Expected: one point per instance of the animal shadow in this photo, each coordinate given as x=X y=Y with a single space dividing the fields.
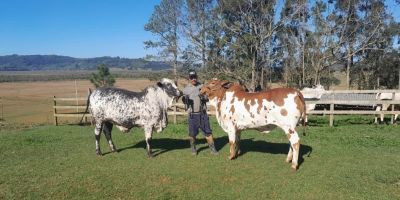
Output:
x=249 y=145
x=163 y=145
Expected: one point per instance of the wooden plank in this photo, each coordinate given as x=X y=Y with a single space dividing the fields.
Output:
x=360 y=91
x=352 y=112
x=71 y=115
x=71 y=99
x=69 y=107
x=351 y=102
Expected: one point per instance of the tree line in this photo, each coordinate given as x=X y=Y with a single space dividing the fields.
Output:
x=298 y=42
x=55 y=62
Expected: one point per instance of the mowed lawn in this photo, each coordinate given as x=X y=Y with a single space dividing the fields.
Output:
x=349 y=161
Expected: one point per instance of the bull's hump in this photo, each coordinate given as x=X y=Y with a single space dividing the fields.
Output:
x=106 y=91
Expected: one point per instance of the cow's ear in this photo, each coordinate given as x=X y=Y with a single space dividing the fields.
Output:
x=159 y=84
x=227 y=85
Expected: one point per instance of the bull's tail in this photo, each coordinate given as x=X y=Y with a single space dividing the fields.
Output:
x=302 y=106
x=87 y=106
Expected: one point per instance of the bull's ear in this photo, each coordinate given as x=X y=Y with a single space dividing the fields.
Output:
x=227 y=85
x=159 y=84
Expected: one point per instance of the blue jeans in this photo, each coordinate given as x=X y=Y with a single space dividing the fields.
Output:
x=199 y=121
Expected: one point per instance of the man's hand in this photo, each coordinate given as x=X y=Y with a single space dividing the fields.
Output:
x=185 y=99
x=203 y=98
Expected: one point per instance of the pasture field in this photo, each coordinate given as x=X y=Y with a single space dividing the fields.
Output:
x=344 y=162
x=27 y=103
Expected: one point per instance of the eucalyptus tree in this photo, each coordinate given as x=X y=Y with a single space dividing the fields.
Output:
x=197 y=21
x=165 y=24
x=359 y=25
x=249 y=24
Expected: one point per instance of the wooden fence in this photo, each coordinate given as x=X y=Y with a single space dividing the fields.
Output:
x=332 y=102
x=177 y=109
x=63 y=107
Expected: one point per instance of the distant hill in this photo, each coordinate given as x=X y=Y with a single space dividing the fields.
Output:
x=55 y=62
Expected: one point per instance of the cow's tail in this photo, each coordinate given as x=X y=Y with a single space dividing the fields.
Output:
x=302 y=106
x=87 y=106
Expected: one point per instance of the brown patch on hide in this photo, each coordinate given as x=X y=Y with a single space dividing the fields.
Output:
x=300 y=104
x=259 y=107
x=284 y=112
x=278 y=95
x=252 y=102
x=219 y=108
x=232 y=110
x=247 y=106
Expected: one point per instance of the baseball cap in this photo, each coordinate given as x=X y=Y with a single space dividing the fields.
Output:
x=192 y=75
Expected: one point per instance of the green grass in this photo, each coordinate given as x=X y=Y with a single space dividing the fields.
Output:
x=344 y=162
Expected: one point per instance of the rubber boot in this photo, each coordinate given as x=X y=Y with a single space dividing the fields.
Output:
x=211 y=144
x=193 y=145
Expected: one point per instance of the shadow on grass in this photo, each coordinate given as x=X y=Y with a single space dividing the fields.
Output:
x=164 y=145
x=249 y=145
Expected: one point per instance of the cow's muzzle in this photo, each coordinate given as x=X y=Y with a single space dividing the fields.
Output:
x=179 y=94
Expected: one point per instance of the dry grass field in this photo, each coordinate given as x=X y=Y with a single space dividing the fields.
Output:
x=31 y=102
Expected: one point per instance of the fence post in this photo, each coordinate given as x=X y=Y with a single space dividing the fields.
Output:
x=332 y=107
x=55 y=111
x=2 y=110
x=392 y=116
x=175 y=113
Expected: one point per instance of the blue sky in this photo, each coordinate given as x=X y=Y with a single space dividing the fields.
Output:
x=81 y=28
x=78 y=28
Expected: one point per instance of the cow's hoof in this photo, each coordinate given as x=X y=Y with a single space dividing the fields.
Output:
x=150 y=155
x=288 y=160
x=99 y=153
x=239 y=152
x=114 y=150
x=215 y=153
x=231 y=157
x=294 y=168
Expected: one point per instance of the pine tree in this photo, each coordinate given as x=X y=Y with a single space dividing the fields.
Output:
x=103 y=78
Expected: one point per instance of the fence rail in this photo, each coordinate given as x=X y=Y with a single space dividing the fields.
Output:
x=178 y=109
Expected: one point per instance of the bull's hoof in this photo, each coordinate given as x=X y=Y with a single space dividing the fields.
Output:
x=98 y=152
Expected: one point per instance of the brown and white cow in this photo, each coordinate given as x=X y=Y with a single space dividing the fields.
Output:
x=237 y=110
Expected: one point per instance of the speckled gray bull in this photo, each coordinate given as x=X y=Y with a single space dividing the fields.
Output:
x=126 y=109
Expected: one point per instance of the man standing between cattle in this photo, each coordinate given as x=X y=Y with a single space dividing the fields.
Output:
x=197 y=118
